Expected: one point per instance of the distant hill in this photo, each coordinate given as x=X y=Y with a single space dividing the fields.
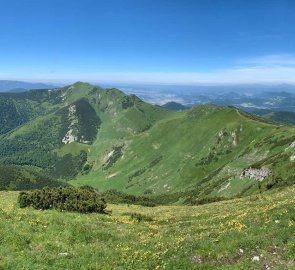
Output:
x=107 y=139
x=248 y=97
x=282 y=117
x=175 y=106
x=20 y=86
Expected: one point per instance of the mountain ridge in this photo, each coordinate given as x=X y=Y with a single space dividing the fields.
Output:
x=110 y=140
x=15 y=86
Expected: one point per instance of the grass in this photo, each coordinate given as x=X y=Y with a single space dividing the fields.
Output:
x=251 y=233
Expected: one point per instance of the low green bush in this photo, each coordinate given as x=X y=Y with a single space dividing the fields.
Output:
x=206 y=200
x=117 y=197
x=67 y=199
x=139 y=217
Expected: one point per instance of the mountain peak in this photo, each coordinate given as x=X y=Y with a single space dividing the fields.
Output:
x=76 y=91
x=80 y=83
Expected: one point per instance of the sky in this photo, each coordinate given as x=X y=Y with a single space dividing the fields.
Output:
x=148 y=41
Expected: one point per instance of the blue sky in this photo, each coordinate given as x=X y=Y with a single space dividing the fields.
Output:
x=148 y=41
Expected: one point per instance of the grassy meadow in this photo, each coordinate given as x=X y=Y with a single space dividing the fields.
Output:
x=256 y=232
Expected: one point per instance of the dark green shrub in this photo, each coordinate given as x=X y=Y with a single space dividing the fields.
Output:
x=148 y=204
x=117 y=197
x=139 y=217
x=118 y=152
x=69 y=199
x=206 y=200
x=86 y=169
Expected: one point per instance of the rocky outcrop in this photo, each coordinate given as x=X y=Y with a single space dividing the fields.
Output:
x=256 y=174
x=70 y=137
x=234 y=138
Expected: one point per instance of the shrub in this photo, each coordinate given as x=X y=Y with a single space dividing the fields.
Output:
x=139 y=217
x=68 y=199
x=117 y=197
x=147 y=204
x=205 y=200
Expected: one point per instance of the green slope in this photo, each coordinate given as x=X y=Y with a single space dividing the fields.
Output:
x=58 y=140
x=22 y=178
x=202 y=150
x=20 y=108
x=105 y=138
x=281 y=117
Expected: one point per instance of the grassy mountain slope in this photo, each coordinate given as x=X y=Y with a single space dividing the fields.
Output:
x=255 y=232
x=105 y=138
x=20 y=108
x=22 y=178
x=204 y=150
x=281 y=117
x=58 y=140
